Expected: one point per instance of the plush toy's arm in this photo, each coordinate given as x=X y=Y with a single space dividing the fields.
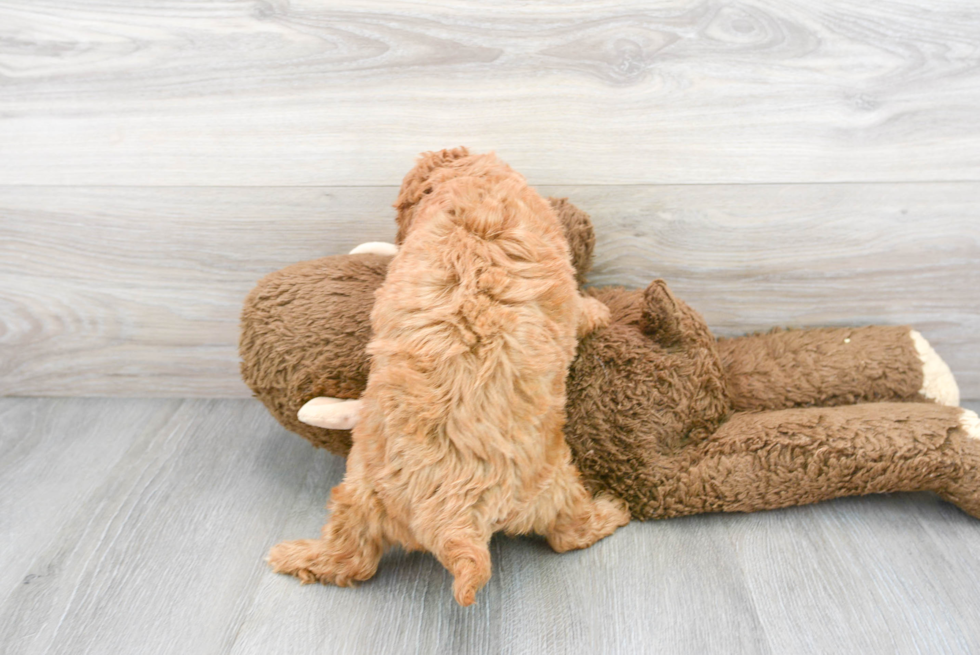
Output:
x=339 y=413
x=766 y=460
x=834 y=366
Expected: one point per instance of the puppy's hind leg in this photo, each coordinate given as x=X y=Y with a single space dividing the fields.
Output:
x=580 y=519
x=350 y=547
x=463 y=548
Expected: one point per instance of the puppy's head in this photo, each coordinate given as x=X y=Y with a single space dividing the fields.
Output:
x=429 y=170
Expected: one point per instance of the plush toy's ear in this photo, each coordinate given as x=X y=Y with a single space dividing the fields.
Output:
x=580 y=234
x=672 y=323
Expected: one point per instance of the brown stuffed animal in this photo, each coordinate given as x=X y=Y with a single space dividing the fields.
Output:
x=659 y=412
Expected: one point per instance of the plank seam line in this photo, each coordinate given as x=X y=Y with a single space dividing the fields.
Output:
x=538 y=184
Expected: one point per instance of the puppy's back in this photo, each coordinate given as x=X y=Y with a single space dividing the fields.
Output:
x=475 y=324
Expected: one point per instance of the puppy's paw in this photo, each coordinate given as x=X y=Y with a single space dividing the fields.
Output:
x=595 y=315
x=613 y=512
x=587 y=523
x=312 y=560
x=296 y=558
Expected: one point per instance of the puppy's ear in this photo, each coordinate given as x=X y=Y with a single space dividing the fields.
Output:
x=418 y=183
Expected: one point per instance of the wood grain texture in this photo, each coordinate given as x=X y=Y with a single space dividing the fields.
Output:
x=604 y=92
x=153 y=542
x=41 y=453
x=164 y=553
x=137 y=291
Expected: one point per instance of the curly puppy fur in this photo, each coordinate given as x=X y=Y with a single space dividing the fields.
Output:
x=306 y=327
x=460 y=435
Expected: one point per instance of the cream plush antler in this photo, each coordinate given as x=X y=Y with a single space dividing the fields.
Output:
x=337 y=413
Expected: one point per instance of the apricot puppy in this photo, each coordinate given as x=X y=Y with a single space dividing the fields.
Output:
x=460 y=431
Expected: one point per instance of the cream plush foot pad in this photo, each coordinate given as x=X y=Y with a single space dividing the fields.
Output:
x=937 y=380
x=970 y=423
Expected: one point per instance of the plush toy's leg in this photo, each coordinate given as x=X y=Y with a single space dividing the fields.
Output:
x=766 y=460
x=834 y=366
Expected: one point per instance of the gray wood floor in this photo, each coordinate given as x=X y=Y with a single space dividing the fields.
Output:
x=140 y=526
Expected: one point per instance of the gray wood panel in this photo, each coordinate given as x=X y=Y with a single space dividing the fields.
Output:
x=140 y=526
x=609 y=92
x=137 y=291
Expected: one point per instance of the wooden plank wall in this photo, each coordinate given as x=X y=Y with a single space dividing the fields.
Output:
x=779 y=163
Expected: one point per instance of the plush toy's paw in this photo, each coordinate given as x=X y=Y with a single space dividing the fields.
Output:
x=331 y=413
x=375 y=248
x=971 y=424
x=938 y=383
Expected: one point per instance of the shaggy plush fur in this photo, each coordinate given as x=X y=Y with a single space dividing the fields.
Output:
x=657 y=417
x=651 y=420
x=753 y=461
x=460 y=432
x=794 y=368
x=320 y=314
